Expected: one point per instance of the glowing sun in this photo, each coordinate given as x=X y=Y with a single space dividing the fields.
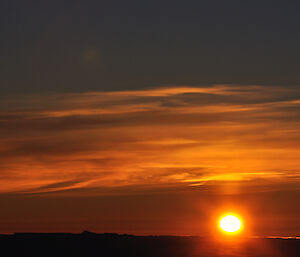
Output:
x=230 y=224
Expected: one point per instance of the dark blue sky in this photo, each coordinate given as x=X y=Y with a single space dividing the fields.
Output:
x=115 y=45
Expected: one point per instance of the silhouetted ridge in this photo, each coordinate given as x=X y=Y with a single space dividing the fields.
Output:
x=89 y=244
x=32 y=234
x=88 y=233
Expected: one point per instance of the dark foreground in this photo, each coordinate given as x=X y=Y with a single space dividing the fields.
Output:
x=111 y=245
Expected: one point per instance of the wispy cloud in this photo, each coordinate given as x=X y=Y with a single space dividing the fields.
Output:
x=179 y=136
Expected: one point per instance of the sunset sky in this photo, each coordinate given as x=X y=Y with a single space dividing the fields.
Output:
x=149 y=117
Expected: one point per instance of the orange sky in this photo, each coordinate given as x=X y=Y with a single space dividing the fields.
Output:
x=157 y=151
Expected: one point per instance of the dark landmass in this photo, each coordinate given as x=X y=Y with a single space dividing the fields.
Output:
x=89 y=244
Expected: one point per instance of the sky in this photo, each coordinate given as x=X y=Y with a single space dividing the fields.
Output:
x=149 y=117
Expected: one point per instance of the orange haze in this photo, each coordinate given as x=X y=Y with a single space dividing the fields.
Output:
x=127 y=161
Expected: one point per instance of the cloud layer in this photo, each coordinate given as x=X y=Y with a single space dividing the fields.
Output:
x=176 y=137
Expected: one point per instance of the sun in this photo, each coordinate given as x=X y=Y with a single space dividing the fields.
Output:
x=230 y=224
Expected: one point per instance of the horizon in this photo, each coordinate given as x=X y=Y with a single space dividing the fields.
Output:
x=109 y=234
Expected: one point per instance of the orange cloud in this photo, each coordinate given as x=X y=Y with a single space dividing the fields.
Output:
x=156 y=138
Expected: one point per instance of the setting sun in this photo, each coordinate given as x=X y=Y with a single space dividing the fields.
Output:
x=230 y=224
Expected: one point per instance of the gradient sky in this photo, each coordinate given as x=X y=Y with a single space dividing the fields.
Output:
x=149 y=117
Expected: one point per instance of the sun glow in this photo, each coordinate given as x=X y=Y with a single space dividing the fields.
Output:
x=230 y=224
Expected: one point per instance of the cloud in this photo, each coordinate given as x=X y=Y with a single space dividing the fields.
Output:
x=162 y=137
